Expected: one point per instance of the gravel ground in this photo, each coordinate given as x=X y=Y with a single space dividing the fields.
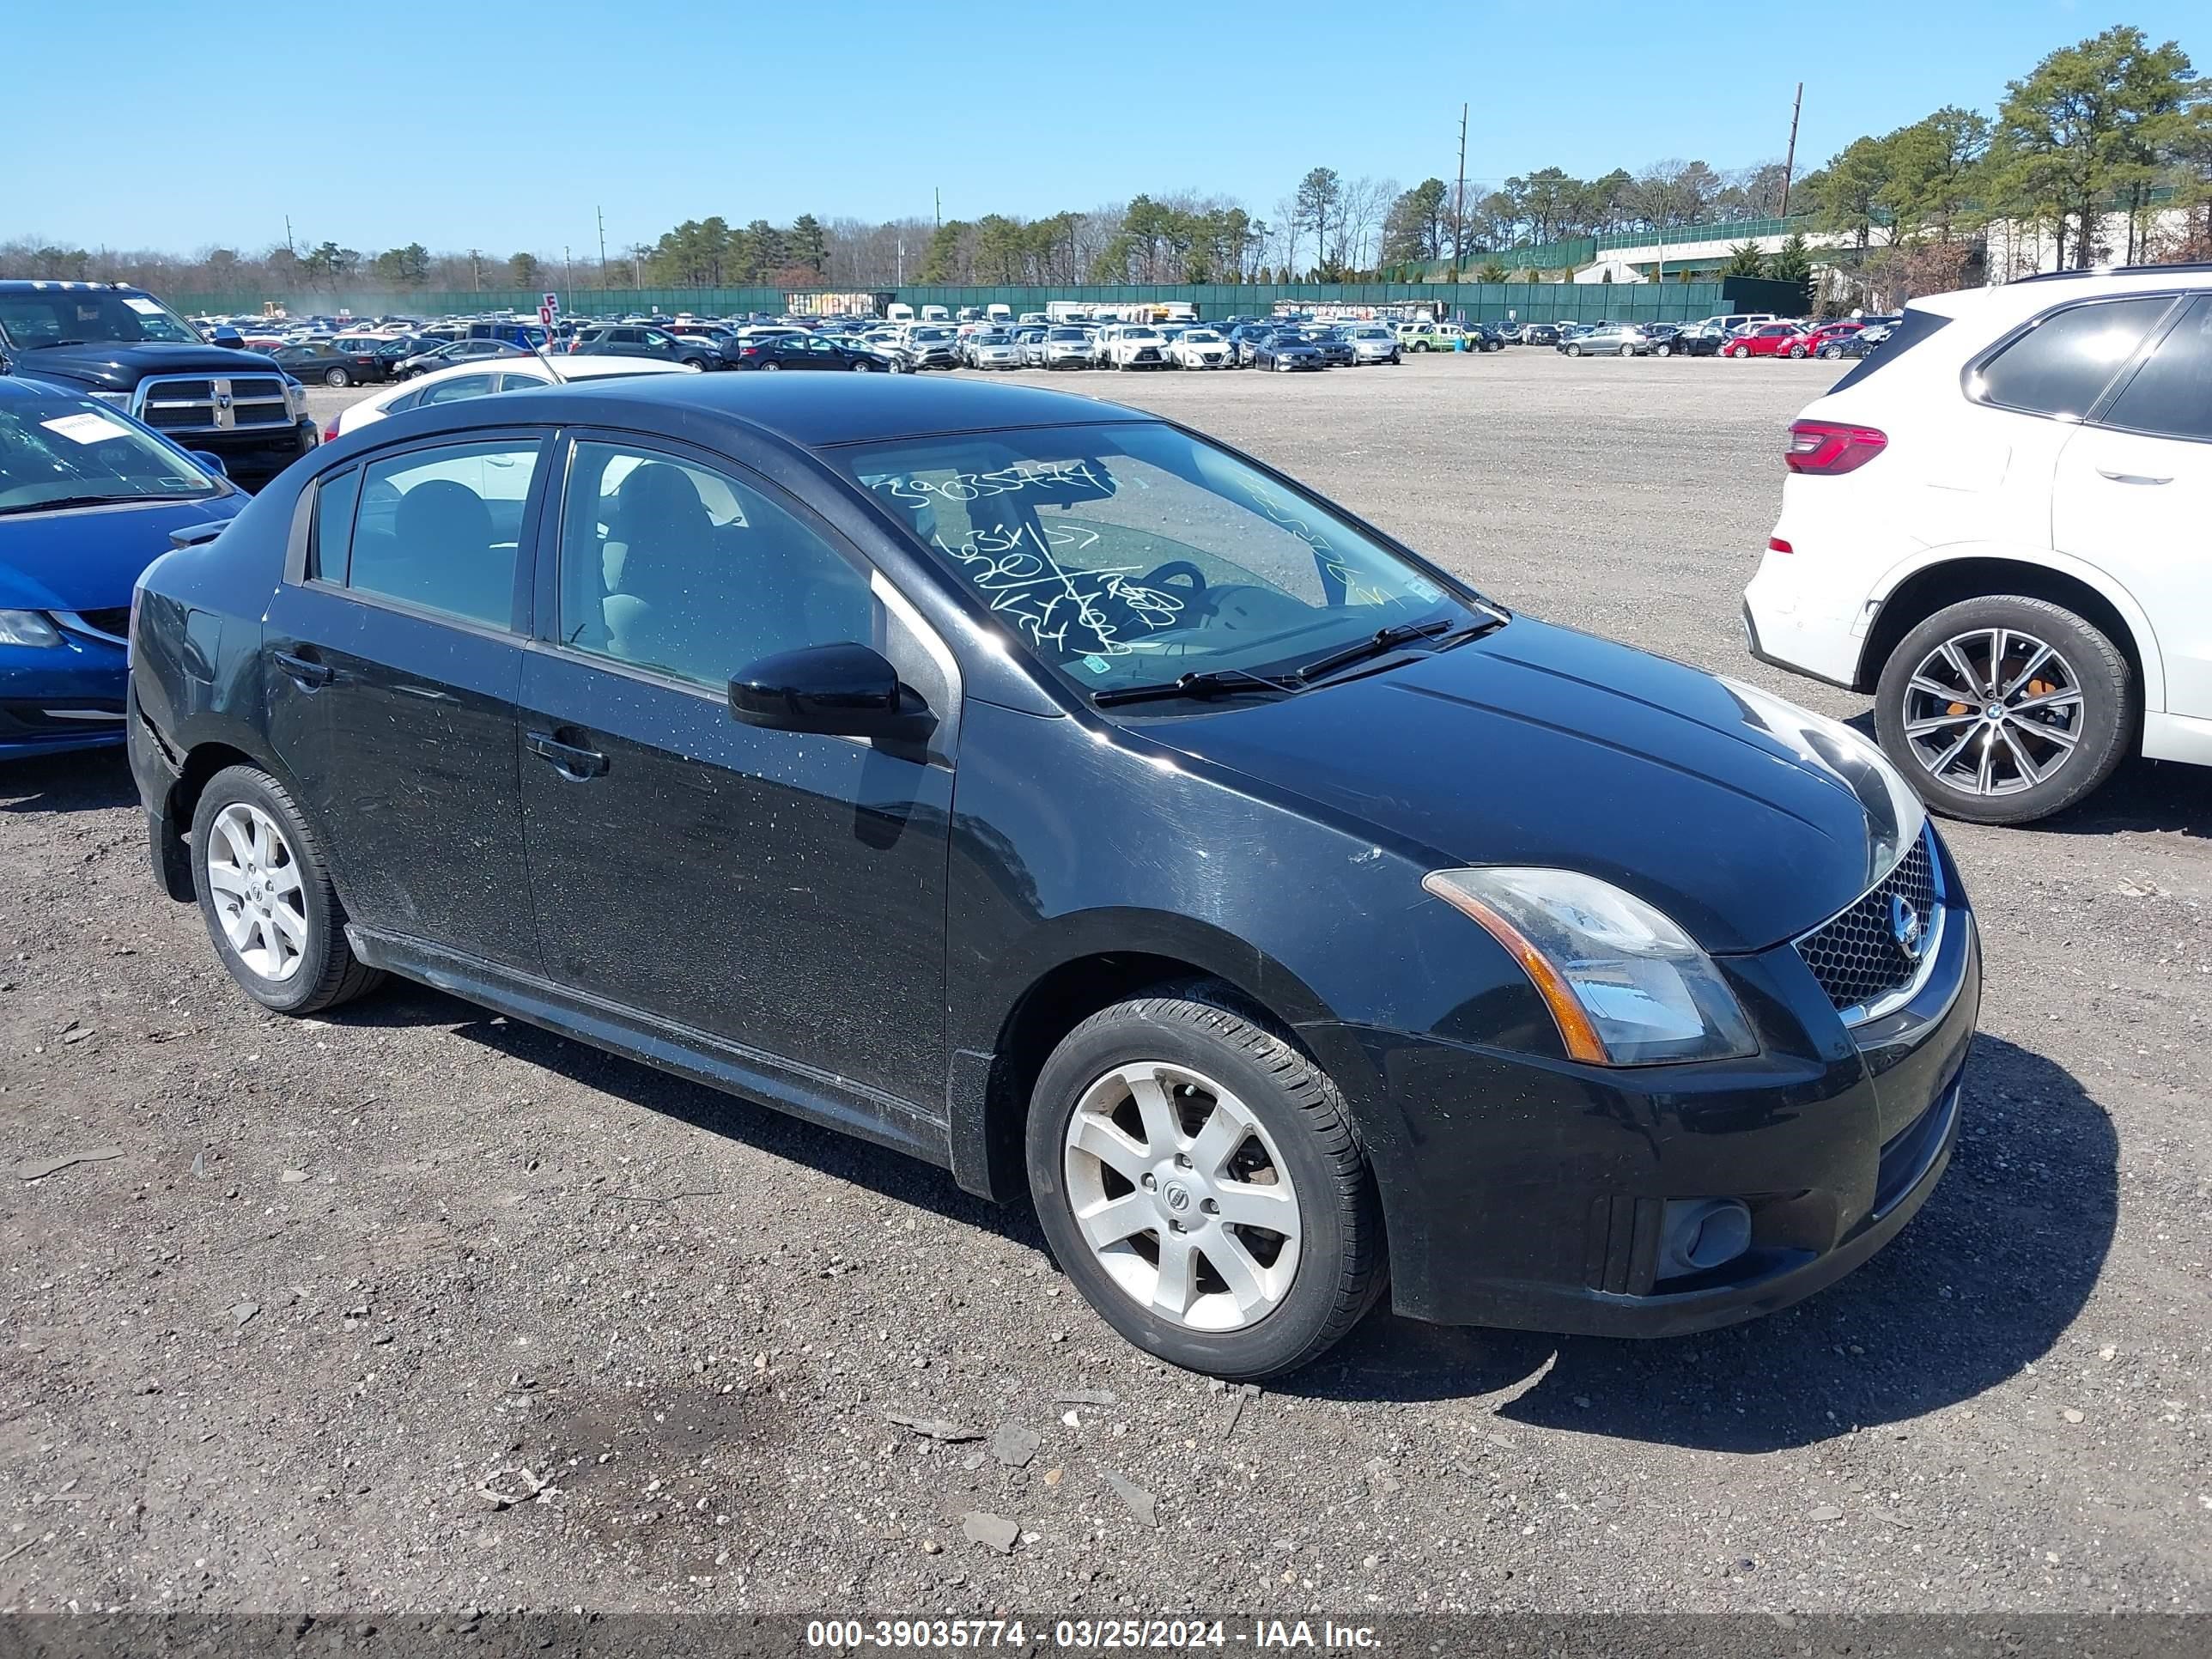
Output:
x=323 y=1281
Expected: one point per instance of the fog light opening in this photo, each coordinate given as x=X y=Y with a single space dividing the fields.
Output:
x=1696 y=1235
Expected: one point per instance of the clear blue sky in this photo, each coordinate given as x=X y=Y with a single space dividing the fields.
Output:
x=507 y=135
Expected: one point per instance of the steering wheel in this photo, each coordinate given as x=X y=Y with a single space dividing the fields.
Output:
x=1160 y=576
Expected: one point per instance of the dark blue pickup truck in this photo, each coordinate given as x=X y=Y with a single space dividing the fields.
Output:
x=123 y=346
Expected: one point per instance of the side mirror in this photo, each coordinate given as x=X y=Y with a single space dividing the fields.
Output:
x=835 y=691
x=211 y=461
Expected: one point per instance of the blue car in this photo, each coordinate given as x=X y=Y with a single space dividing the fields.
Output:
x=88 y=498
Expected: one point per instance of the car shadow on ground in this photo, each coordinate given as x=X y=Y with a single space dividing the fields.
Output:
x=879 y=1170
x=87 y=780
x=1984 y=1280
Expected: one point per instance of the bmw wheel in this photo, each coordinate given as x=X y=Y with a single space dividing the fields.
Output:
x=1197 y=1177
x=269 y=907
x=2005 y=710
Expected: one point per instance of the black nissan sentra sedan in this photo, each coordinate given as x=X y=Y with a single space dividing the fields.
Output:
x=1044 y=790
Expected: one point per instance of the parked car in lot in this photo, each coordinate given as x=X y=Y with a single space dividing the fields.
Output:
x=1537 y=334
x=328 y=363
x=931 y=346
x=125 y=347
x=1246 y=339
x=1202 y=348
x=1826 y=340
x=628 y=340
x=808 y=352
x=1137 y=345
x=1996 y=525
x=1761 y=340
x=1608 y=340
x=450 y=353
x=1481 y=337
x=993 y=347
x=522 y=373
x=1373 y=343
x=1287 y=349
x=1424 y=336
x=1063 y=347
x=1336 y=350
x=1684 y=339
x=741 y=632
x=88 y=498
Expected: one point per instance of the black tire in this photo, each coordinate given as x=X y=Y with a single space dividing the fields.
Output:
x=2106 y=731
x=328 y=973
x=1574 y=350
x=1342 y=1268
x=1662 y=349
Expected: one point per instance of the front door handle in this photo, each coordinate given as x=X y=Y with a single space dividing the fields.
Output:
x=307 y=673
x=2131 y=478
x=570 y=760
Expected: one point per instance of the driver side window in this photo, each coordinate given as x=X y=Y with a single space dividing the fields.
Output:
x=680 y=568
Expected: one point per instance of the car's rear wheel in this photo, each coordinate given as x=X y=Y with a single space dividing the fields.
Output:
x=772 y=367
x=267 y=898
x=2005 y=710
x=1197 y=1177
x=337 y=377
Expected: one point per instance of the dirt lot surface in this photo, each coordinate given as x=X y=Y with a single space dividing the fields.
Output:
x=320 y=1282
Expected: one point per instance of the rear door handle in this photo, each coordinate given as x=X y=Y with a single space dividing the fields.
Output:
x=2132 y=478
x=571 y=760
x=307 y=673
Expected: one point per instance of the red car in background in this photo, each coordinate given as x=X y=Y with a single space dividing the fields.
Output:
x=1813 y=341
x=1761 y=340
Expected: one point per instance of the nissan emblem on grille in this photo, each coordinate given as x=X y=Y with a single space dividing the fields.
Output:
x=1876 y=946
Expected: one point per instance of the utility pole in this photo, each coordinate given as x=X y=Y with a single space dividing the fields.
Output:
x=1459 y=200
x=1790 y=161
x=475 y=270
x=568 y=270
x=289 y=248
x=602 y=213
x=939 y=194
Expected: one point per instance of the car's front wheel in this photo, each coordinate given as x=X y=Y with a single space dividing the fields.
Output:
x=1662 y=349
x=1574 y=351
x=267 y=898
x=2005 y=710
x=1197 y=1179
x=336 y=377
x=1740 y=352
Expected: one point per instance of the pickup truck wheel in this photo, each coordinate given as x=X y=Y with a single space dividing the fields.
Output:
x=337 y=377
x=1197 y=1178
x=270 y=909
x=2005 y=710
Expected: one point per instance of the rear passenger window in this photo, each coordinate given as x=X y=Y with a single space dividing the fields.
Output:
x=2063 y=365
x=440 y=528
x=2171 y=395
x=334 y=503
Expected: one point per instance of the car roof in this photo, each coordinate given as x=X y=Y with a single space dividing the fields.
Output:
x=817 y=410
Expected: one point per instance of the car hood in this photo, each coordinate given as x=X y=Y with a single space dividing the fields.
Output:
x=87 y=558
x=110 y=365
x=1539 y=745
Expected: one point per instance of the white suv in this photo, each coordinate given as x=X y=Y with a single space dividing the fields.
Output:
x=2000 y=524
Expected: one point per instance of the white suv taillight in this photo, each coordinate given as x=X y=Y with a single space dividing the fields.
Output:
x=1827 y=447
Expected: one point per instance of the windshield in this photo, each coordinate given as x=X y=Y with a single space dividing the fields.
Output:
x=65 y=316
x=56 y=449
x=1069 y=334
x=1134 y=553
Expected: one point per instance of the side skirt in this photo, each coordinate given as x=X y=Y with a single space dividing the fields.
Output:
x=800 y=1091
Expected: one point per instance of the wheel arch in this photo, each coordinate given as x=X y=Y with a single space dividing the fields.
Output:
x=203 y=761
x=1917 y=590
x=989 y=1091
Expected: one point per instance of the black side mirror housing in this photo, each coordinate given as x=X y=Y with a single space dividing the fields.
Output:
x=845 y=691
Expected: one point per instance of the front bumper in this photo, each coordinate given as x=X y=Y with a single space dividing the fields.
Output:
x=1529 y=1194
x=56 y=699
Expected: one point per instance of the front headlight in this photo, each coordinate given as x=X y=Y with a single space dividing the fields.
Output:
x=296 y=399
x=1626 y=986
x=1895 y=816
x=27 y=628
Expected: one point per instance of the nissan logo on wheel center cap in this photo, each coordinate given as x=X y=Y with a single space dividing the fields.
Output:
x=1176 y=1196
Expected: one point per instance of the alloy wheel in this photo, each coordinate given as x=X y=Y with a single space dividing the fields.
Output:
x=1993 y=712
x=254 y=879
x=1182 y=1196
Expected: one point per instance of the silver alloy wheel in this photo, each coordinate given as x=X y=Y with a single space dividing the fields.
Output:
x=1182 y=1196
x=1993 y=712
x=254 y=879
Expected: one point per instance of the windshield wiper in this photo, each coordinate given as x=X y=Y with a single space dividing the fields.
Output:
x=1209 y=682
x=1383 y=639
x=61 y=501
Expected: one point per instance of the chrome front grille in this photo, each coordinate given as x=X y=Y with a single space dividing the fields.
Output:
x=204 y=403
x=1858 y=956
